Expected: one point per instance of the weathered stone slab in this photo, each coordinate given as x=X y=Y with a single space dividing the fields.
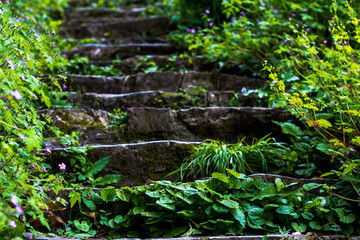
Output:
x=109 y=51
x=139 y=63
x=93 y=124
x=197 y=124
x=165 y=81
x=139 y=162
x=153 y=26
x=159 y=99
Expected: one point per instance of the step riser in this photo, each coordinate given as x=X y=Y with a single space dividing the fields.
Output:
x=156 y=99
x=198 y=124
x=157 y=26
x=140 y=163
x=165 y=81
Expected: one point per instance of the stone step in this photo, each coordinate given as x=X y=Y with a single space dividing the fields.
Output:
x=139 y=162
x=95 y=15
x=100 y=51
x=141 y=63
x=165 y=81
x=229 y=124
x=149 y=27
x=150 y=124
x=95 y=126
x=159 y=99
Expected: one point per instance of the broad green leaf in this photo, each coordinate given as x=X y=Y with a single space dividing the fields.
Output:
x=109 y=179
x=229 y=203
x=123 y=195
x=108 y=194
x=286 y=210
x=88 y=202
x=83 y=226
x=98 y=166
x=308 y=215
x=220 y=176
x=257 y=216
x=315 y=225
x=279 y=184
x=300 y=228
x=239 y=215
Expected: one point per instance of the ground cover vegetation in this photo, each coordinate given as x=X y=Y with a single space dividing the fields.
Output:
x=312 y=61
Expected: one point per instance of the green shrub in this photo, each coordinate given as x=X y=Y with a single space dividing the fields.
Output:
x=27 y=52
x=327 y=100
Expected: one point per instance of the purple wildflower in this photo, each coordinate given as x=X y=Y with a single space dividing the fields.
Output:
x=11 y=64
x=14 y=200
x=12 y=223
x=325 y=41
x=212 y=95
x=58 y=118
x=211 y=24
x=22 y=77
x=64 y=86
x=48 y=150
x=207 y=11
x=22 y=137
x=263 y=4
x=242 y=12
x=193 y=31
x=290 y=19
x=293 y=14
x=62 y=166
x=103 y=39
x=43 y=168
x=276 y=11
x=16 y=94
x=27 y=17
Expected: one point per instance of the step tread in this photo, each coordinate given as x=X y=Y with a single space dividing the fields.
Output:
x=166 y=81
x=101 y=51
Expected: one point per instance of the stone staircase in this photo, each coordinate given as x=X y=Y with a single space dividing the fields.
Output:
x=168 y=113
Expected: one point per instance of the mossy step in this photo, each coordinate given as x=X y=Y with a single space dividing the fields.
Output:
x=150 y=27
x=139 y=162
x=159 y=99
x=110 y=52
x=165 y=81
x=197 y=124
x=95 y=126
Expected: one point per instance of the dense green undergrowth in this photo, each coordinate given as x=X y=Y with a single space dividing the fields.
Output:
x=222 y=205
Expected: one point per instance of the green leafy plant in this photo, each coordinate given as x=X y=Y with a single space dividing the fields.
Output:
x=330 y=104
x=263 y=155
x=222 y=205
